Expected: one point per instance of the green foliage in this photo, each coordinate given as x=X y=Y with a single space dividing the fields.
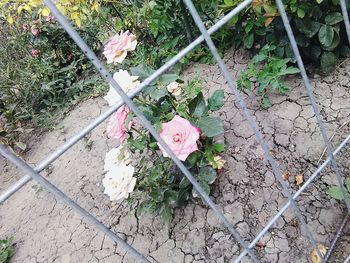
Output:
x=266 y=71
x=336 y=193
x=40 y=73
x=318 y=29
x=160 y=26
x=6 y=250
x=164 y=185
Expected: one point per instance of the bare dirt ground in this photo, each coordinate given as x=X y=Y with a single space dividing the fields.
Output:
x=45 y=230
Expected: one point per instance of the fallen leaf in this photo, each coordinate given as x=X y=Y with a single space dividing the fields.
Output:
x=314 y=257
x=260 y=244
x=299 y=179
x=286 y=175
x=269 y=21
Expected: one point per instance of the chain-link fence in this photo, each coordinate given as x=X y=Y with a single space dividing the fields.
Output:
x=34 y=173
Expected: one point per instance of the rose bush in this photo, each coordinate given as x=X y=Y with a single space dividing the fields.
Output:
x=181 y=115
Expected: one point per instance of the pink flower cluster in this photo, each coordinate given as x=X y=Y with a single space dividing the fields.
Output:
x=117 y=48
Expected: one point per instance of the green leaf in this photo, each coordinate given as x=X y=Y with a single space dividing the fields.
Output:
x=216 y=101
x=335 y=42
x=301 y=13
x=347 y=184
x=166 y=79
x=307 y=26
x=184 y=182
x=219 y=147
x=197 y=106
x=156 y=93
x=265 y=102
x=335 y=193
x=207 y=174
x=167 y=215
x=325 y=35
x=210 y=126
x=288 y=71
x=183 y=196
x=333 y=18
x=143 y=71
x=205 y=187
x=192 y=158
x=249 y=41
x=328 y=61
x=146 y=206
x=170 y=197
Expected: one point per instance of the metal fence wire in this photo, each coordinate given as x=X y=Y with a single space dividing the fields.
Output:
x=34 y=173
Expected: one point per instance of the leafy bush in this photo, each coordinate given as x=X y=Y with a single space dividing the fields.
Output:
x=268 y=77
x=161 y=184
x=41 y=70
x=158 y=176
x=317 y=25
x=6 y=250
x=160 y=27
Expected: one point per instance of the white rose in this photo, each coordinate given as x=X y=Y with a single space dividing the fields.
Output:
x=125 y=81
x=112 y=157
x=119 y=182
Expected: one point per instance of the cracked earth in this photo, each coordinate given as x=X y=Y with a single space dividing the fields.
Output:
x=45 y=230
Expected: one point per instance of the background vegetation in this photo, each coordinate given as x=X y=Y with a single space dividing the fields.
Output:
x=43 y=72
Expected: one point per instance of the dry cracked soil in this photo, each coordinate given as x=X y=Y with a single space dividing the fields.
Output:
x=46 y=230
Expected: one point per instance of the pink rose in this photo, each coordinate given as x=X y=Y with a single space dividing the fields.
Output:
x=35 y=31
x=116 y=125
x=117 y=48
x=35 y=53
x=181 y=136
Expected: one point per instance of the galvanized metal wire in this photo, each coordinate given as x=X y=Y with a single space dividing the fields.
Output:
x=205 y=35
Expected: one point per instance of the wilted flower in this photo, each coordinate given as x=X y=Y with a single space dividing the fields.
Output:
x=117 y=48
x=116 y=125
x=119 y=182
x=25 y=27
x=181 y=136
x=50 y=19
x=35 y=31
x=35 y=53
x=125 y=81
x=70 y=56
x=218 y=162
x=174 y=88
x=116 y=156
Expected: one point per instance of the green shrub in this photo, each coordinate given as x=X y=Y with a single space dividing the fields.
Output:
x=41 y=70
x=317 y=26
x=6 y=250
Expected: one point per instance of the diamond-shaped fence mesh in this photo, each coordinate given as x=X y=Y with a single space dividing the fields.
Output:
x=247 y=248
